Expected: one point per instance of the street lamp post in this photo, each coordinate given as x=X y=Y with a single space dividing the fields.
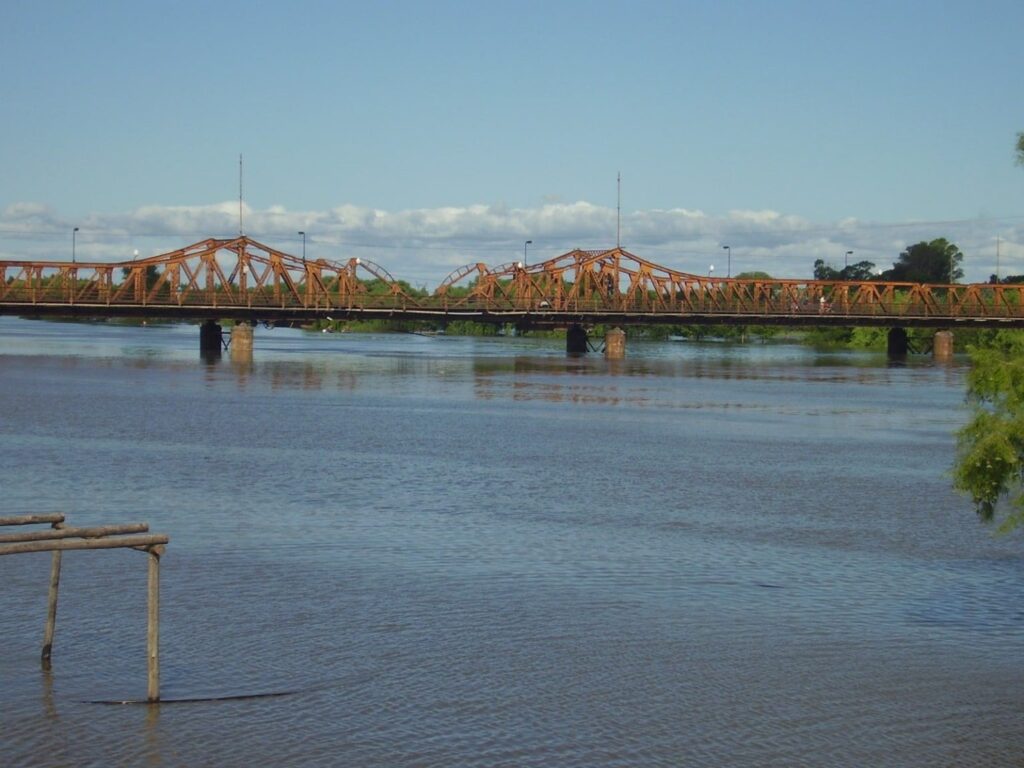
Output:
x=728 y=266
x=711 y=269
x=846 y=259
x=303 y=246
x=528 y=242
x=74 y=243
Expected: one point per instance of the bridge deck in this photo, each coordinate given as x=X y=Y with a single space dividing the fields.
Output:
x=537 y=318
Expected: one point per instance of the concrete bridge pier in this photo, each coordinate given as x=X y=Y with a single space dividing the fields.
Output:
x=576 y=340
x=897 y=343
x=615 y=344
x=942 y=346
x=241 y=343
x=211 y=341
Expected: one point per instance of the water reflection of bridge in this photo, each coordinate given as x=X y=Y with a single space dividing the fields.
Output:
x=245 y=281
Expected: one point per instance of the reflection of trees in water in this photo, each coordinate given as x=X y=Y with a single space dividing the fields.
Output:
x=307 y=376
x=539 y=378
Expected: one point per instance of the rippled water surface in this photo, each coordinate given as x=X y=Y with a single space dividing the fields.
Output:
x=468 y=552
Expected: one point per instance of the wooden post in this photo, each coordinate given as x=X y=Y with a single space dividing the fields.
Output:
x=51 y=609
x=153 y=626
x=56 y=525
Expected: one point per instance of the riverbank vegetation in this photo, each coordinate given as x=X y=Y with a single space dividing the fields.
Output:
x=990 y=461
x=990 y=447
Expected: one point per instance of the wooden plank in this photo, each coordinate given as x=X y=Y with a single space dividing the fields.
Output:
x=94 y=532
x=138 y=540
x=54 y=517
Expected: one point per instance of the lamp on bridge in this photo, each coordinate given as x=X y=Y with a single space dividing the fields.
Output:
x=303 y=246
x=528 y=242
x=846 y=259
x=711 y=269
x=728 y=268
x=74 y=243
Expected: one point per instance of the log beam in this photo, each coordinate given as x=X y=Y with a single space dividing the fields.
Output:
x=74 y=533
x=138 y=540
x=55 y=517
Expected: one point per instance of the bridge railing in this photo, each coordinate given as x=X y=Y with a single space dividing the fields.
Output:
x=56 y=293
x=909 y=303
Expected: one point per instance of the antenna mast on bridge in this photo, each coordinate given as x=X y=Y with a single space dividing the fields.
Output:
x=239 y=194
x=618 y=208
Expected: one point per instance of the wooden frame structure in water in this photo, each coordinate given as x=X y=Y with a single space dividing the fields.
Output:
x=58 y=538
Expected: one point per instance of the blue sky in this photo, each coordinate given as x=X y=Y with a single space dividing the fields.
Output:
x=427 y=135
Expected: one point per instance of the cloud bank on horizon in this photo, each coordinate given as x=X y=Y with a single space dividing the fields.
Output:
x=423 y=245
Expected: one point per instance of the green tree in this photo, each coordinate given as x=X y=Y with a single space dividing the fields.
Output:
x=990 y=457
x=828 y=336
x=152 y=274
x=927 y=262
x=1008 y=280
x=823 y=271
x=744 y=332
x=860 y=272
x=378 y=287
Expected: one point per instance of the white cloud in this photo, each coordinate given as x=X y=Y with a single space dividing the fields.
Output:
x=28 y=217
x=423 y=245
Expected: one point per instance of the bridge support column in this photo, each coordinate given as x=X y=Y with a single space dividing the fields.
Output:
x=897 y=343
x=615 y=344
x=241 y=343
x=942 y=346
x=211 y=339
x=575 y=341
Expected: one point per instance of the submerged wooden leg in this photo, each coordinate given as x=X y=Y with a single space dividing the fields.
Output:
x=153 y=628
x=51 y=609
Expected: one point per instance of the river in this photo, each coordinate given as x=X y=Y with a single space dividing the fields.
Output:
x=450 y=551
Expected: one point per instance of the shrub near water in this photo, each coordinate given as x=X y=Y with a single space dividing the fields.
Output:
x=990 y=461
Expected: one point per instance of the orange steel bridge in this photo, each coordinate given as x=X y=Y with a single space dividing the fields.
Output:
x=242 y=279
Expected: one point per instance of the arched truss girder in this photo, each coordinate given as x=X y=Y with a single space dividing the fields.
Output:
x=610 y=279
x=617 y=281
x=234 y=272
x=458 y=274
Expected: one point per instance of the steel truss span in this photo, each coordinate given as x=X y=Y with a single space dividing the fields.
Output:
x=242 y=279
